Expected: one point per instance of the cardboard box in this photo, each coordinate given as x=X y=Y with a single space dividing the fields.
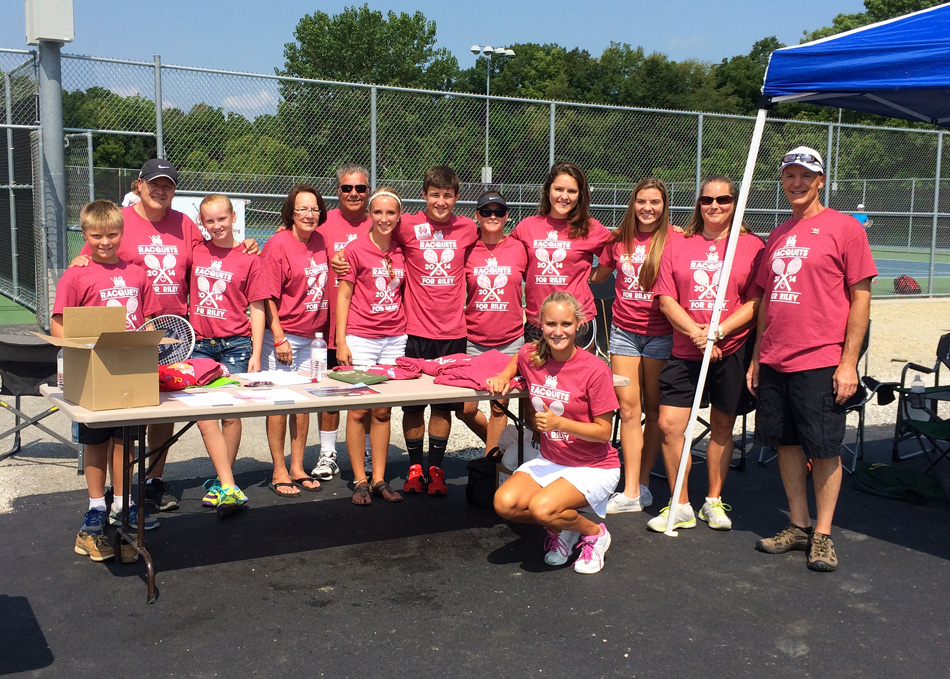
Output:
x=105 y=367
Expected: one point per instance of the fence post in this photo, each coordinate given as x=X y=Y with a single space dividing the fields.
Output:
x=92 y=181
x=372 y=137
x=551 y=139
x=159 y=132
x=910 y=222
x=699 y=152
x=14 y=268
x=834 y=162
x=933 y=234
x=54 y=158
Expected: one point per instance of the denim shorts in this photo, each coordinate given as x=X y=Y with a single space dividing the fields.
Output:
x=234 y=352
x=626 y=343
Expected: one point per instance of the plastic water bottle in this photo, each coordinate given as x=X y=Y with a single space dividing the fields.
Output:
x=318 y=358
x=59 y=369
x=916 y=400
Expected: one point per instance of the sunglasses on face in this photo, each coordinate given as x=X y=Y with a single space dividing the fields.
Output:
x=488 y=212
x=720 y=200
x=801 y=157
x=347 y=188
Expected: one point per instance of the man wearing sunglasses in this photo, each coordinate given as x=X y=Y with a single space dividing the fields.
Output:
x=816 y=276
x=343 y=224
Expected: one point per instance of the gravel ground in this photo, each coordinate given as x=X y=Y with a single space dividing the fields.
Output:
x=901 y=331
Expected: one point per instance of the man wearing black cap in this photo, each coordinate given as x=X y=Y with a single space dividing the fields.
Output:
x=816 y=275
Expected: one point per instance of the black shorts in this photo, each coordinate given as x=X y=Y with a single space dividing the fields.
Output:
x=94 y=437
x=584 y=338
x=799 y=409
x=428 y=348
x=725 y=388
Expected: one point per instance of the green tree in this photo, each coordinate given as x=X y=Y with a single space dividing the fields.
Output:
x=361 y=45
x=743 y=75
x=875 y=10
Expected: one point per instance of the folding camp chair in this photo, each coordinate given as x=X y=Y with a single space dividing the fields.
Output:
x=917 y=416
x=26 y=362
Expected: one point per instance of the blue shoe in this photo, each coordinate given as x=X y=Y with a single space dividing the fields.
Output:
x=213 y=486
x=94 y=522
x=115 y=519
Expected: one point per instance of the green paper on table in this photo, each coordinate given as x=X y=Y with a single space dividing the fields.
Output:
x=357 y=377
x=224 y=381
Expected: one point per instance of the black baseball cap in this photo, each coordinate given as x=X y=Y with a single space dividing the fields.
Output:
x=158 y=167
x=489 y=198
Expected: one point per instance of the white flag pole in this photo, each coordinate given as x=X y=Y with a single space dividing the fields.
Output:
x=724 y=274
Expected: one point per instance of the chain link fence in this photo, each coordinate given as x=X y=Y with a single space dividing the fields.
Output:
x=255 y=136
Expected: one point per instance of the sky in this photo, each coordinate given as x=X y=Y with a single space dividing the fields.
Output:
x=246 y=35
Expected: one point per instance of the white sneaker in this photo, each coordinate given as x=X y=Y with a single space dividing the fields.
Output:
x=646 y=497
x=621 y=504
x=684 y=518
x=326 y=468
x=593 y=549
x=558 y=546
x=368 y=463
x=714 y=514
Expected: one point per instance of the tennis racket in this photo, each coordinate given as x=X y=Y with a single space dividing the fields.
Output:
x=177 y=328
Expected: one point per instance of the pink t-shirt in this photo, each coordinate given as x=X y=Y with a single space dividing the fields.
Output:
x=493 y=274
x=163 y=249
x=808 y=268
x=558 y=262
x=634 y=309
x=376 y=307
x=337 y=231
x=119 y=284
x=689 y=273
x=297 y=275
x=435 y=274
x=223 y=283
x=580 y=389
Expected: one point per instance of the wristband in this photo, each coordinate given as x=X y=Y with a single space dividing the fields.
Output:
x=283 y=341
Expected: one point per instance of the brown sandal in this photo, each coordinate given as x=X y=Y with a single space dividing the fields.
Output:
x=361 y=493
x=383 y=490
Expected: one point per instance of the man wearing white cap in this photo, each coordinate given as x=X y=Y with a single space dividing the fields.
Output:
x=816 y=276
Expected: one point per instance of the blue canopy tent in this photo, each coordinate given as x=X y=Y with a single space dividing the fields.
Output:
x=897 y=68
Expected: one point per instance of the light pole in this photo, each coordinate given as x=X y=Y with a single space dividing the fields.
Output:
x=488 y=51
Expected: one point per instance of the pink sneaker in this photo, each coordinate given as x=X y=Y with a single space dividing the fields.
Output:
x=593 y=549
x=558 y=546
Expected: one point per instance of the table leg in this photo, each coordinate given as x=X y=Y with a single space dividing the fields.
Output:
x=123 y=534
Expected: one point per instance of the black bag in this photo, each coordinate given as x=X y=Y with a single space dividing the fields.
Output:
x=482 y=477
x=905 y=285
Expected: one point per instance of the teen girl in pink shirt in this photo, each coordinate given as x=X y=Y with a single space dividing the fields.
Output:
x=573 y=401
x=371 y=330
x=641 y=336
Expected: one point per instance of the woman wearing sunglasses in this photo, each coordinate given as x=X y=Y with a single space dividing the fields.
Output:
x=371 y=330
x=494 y=271
x=561 y=242
x=641 y=337
x=687 y=288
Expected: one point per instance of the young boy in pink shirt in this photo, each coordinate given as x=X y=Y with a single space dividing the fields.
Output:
x=106 y=281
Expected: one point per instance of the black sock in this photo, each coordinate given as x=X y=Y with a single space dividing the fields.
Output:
x=437 y=446
x=414 y=448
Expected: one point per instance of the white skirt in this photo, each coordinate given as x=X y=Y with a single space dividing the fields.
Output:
x=595 y=484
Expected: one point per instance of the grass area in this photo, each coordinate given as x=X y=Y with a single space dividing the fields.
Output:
x=913 y=255
x=12 y=313
x=884 y=287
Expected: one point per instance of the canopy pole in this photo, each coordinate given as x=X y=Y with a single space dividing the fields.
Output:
x=744 y=189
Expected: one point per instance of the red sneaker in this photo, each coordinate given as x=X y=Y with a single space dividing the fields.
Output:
x=437 y=482
x=416 y=482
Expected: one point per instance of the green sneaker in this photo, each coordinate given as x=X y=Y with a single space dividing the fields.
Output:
x=714 y=513
x=213 y=486
x=684 y=518
x=230 y=500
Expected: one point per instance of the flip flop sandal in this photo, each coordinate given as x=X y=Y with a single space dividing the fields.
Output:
x=309 y=489
x=383 y=490
x=361 y=495
x=274 y=487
